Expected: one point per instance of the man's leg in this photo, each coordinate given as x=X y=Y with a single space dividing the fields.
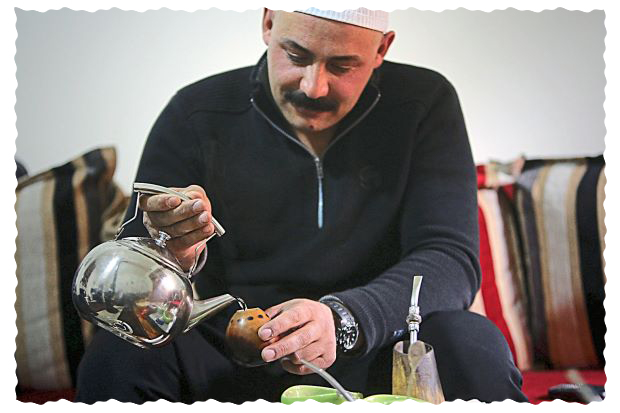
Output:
x=473 y=357
x=190 y=368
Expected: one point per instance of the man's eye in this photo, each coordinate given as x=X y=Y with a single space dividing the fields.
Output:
x=340 y=69
x=295 y=58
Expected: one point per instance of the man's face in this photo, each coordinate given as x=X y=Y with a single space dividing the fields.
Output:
x=318 y=68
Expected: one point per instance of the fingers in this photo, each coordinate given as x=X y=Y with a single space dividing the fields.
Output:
x=180 y=228
x=305 y=329
x=284 y=318
x=188 y=225
x=176 y=217
x=308 y=353
x=165 y=202
x=185 y=210
x=193 y=191
x=187 y=222
x=297 y=340
x=162 y=202
x=275 y=310
x=189 y=239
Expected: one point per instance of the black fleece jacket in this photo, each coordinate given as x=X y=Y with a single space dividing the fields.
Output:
x=394 y=195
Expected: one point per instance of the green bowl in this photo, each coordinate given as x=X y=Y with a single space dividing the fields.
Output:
x=390 y=398
x=320 y=394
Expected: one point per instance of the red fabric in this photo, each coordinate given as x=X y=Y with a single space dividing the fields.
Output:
x=536 y=384
x=490 y=296
x=509 y=190
x=40 y=397
x=481 y=175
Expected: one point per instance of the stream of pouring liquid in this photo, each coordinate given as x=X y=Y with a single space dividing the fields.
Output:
x=241 y=303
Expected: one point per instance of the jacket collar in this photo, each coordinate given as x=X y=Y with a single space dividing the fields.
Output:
x=261 y=94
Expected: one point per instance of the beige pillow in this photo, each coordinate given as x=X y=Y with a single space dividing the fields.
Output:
x=61 y=215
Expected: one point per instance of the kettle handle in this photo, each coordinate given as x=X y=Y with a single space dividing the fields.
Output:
x=145 y=188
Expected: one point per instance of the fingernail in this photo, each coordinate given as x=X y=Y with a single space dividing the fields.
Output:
x=197 y=207
x=265 y=333
x=203 y=218
x=268 y=354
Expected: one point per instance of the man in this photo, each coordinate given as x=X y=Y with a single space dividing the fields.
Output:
x=337 y=176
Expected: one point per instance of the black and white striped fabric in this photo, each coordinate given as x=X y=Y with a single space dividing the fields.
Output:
x=60 y=217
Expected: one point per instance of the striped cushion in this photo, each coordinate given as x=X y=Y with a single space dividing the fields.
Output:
x=59 y=219
x=502 y=297
x=559 y=204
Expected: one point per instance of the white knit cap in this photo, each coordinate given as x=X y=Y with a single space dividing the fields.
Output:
x=370 y=19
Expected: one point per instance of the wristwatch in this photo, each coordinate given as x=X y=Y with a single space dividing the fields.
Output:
x=347 y=330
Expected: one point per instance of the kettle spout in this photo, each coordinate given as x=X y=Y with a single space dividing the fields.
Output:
x=206 y=308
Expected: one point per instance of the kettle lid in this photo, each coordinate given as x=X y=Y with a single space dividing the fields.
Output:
x=154 y=249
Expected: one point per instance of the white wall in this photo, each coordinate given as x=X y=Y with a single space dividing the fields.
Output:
x=530 y=83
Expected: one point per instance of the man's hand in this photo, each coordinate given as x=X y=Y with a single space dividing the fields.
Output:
x=306 y=331
x=187 y=222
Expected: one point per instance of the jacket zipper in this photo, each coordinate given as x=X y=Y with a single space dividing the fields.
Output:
x=318 y=160
x=319 y=174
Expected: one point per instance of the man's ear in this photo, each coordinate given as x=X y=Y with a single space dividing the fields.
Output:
x=268 y=16
x=384 y=46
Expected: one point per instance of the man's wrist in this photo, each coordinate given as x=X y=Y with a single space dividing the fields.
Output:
x=346 y=327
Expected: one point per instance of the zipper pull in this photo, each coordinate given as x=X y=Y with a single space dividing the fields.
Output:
x=319 y=168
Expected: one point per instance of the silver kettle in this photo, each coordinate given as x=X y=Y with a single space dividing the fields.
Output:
x=136 y=289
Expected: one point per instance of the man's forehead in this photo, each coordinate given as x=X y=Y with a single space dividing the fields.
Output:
x=324 y=38
x=292 y=44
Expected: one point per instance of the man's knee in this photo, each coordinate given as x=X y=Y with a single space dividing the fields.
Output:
x=464 y=329
x=115 y=369
x=473 y=357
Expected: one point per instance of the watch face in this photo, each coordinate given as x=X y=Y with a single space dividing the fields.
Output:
x=347 y=337
x=346 y=327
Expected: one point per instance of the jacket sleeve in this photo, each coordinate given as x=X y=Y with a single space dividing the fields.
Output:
x=170 y=158
x=438 y=230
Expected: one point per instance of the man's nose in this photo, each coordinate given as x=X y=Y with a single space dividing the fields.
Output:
x=314 y=82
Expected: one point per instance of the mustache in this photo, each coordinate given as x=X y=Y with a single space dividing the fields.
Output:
x=300 y=99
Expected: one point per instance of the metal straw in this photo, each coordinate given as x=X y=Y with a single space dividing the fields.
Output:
x=329 y=378
x=413 y=318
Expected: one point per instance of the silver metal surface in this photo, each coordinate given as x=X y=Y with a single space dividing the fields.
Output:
x=413 y=318
x=135 y=288
x=161 y=239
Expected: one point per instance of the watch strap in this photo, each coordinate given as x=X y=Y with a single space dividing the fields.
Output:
x=347 y=330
